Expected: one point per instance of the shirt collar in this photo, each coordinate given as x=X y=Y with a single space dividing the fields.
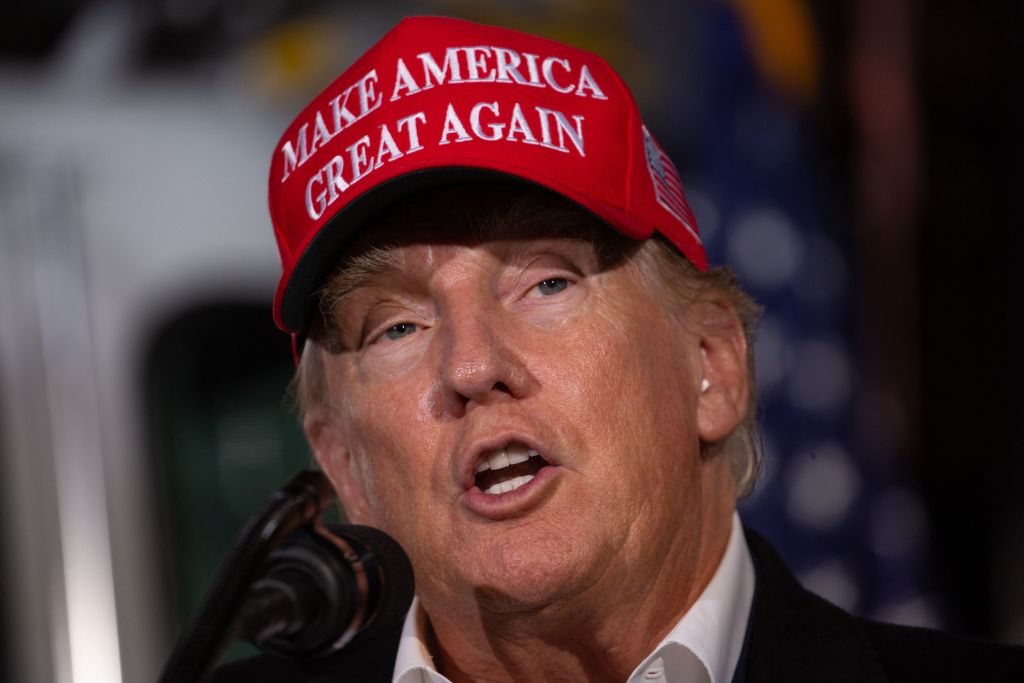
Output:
x=704 y=645
x=413 y=662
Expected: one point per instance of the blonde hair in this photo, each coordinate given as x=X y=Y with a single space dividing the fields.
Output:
x=683 y=283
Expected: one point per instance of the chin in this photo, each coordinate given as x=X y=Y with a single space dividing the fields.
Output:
x=495 y=600
x=523 y=575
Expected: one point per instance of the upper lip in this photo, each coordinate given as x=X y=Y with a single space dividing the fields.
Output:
x=470 y=457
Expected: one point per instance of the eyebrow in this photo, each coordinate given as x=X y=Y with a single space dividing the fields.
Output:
x=355 y=272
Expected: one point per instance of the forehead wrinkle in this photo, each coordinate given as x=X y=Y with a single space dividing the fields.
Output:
x=544 y=217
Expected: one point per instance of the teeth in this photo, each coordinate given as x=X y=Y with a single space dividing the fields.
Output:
x=506 y=486
x=498 y=459
x=503 y=457
x=517 y=454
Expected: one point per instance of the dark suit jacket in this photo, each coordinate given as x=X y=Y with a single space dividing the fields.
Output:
x=793 y=635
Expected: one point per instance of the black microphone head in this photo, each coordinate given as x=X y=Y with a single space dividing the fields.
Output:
x=323 y=589
x=390 y=602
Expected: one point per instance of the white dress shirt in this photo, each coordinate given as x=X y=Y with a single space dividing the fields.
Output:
x=703 y=647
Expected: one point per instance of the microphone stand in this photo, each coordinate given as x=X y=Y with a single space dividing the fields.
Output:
x=297 y=503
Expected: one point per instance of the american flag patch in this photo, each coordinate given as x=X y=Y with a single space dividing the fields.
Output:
x=667 y=186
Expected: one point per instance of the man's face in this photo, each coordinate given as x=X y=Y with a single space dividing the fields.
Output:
x=456 y=352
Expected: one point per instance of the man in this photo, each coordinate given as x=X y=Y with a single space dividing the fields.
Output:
x=515 y=360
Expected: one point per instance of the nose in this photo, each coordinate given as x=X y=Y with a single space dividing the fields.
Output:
x=481 y=363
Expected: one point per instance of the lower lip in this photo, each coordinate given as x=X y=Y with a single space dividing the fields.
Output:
x=513 y=503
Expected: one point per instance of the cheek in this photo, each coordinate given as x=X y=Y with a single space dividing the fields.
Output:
x=629 y=395
x=384 y=424
x=624 y=365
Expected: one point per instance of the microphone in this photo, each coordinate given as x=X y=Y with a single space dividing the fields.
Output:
x=293 y=587
x=325 y=587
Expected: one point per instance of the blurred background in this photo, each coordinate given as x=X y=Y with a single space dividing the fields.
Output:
x=857 y=163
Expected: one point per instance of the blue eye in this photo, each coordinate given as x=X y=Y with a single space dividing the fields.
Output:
x=400 y=330
x=552 y=286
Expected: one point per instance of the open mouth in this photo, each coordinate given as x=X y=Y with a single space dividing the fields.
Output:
x=506 y=469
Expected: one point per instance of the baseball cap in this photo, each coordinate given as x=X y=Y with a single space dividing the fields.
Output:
x=439 y=101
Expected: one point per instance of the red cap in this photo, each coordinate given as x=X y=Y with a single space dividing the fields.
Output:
x=440 y=100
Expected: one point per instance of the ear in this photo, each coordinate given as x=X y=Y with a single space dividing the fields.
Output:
x=339 y=465
x=722 y=400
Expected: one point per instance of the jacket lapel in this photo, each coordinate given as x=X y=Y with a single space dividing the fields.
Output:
x=794 y=635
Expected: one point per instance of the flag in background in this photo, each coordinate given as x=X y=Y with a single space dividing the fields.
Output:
x=833 y=505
